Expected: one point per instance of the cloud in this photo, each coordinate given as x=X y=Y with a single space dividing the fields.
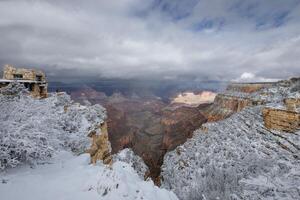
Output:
x=249 y=77
x=211 y=40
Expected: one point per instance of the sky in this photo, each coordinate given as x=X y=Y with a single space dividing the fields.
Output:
x=253 y=40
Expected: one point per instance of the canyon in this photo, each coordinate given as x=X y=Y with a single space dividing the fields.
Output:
x=185 y=147
x=152 y=127
x=149 y=126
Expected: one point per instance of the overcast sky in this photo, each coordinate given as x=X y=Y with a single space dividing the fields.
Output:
x=206 y=39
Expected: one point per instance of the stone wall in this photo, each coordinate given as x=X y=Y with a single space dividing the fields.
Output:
x=27 y=74
x=34 y=80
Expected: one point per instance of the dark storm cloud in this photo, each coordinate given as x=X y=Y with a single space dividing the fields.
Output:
x=220 y=40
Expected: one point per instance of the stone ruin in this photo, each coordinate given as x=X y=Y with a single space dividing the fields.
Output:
x=33 y=80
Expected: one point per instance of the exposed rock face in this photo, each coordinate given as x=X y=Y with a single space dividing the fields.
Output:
x=237 y=96
x=100 y=148
x=281 y=119
x=225 y=105
x=150 y=128
x=284 y=117
x=179 y=124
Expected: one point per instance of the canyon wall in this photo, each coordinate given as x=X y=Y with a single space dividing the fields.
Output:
x=281 y=119
x=236 y=97
x=253 y=154
x=151 y=128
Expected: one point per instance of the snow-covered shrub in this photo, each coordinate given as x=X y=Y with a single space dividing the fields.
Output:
x=34 y=129
x=136 y=162
x=237 y=158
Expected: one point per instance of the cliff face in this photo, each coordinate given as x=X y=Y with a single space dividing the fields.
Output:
x=226 y=105
x=249 y=155
x=281 y=119
x=285 y=116
x=150 y=127
x=100 y=148
x=179 y=124
x=236 y=97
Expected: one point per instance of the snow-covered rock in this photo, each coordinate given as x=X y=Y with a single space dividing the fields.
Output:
x=237 y=158
x=136 y=162
x=32 y=130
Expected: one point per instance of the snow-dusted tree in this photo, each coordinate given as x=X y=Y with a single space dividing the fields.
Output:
x=34 y=129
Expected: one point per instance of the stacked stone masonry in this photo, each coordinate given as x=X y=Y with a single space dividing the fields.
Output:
x=34 y=80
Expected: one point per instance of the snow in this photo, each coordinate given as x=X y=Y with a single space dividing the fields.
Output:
x=34 y=129
x=69 y=177
x=41 y=146
x=136 y=162
x=237 y=158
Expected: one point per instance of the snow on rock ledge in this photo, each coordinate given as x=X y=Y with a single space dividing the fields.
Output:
x=32 y=130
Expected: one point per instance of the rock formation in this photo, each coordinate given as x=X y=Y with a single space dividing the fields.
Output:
x=150 y=128
x=236 y=97
x=179 y=124
x=100 y=148
x=281 y=119
x=285 y=116
x=251 y=154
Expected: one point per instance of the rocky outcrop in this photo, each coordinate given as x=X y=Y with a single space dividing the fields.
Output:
x=100 y=148
x=281 y=119
x=237 y=96
x=225 y=105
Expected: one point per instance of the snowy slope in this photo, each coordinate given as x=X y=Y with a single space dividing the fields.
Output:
x=237 y=158
x=69 y=177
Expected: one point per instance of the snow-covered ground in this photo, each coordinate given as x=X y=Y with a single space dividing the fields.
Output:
x=69 y=177
x=40 y=143
x=237 y=158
